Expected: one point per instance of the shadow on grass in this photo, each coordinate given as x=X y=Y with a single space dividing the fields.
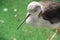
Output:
x=2 y=38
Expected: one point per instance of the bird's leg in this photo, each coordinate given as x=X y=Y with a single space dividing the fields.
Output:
x=48 y=34
x=48 y=31
x=57 y=30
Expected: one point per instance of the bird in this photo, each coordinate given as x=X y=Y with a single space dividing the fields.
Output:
x=45 y=13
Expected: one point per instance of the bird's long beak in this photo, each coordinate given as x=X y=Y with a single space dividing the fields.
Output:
x=23 y=21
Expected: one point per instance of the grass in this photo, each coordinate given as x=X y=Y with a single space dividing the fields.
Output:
x=8 y=27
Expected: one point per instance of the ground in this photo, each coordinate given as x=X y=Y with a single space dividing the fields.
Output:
x=12 y=12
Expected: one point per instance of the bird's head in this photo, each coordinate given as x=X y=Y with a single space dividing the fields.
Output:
x=33 y=8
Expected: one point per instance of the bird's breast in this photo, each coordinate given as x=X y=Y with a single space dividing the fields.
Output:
x=39 y=22
x=33 y=21
x=36 y=21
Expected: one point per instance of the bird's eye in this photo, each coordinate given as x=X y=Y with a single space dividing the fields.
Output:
x=35 y=10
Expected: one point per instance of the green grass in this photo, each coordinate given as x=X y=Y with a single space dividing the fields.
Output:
x=26 y=32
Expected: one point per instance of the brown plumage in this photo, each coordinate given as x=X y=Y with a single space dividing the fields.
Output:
x=51 y=11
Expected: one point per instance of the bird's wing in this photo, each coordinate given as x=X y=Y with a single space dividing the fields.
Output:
x=52 y=14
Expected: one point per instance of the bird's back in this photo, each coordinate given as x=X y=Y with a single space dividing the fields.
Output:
x=49 y=5
x=51 y=11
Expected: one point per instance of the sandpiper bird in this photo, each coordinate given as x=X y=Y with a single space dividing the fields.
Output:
x=45 y=13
